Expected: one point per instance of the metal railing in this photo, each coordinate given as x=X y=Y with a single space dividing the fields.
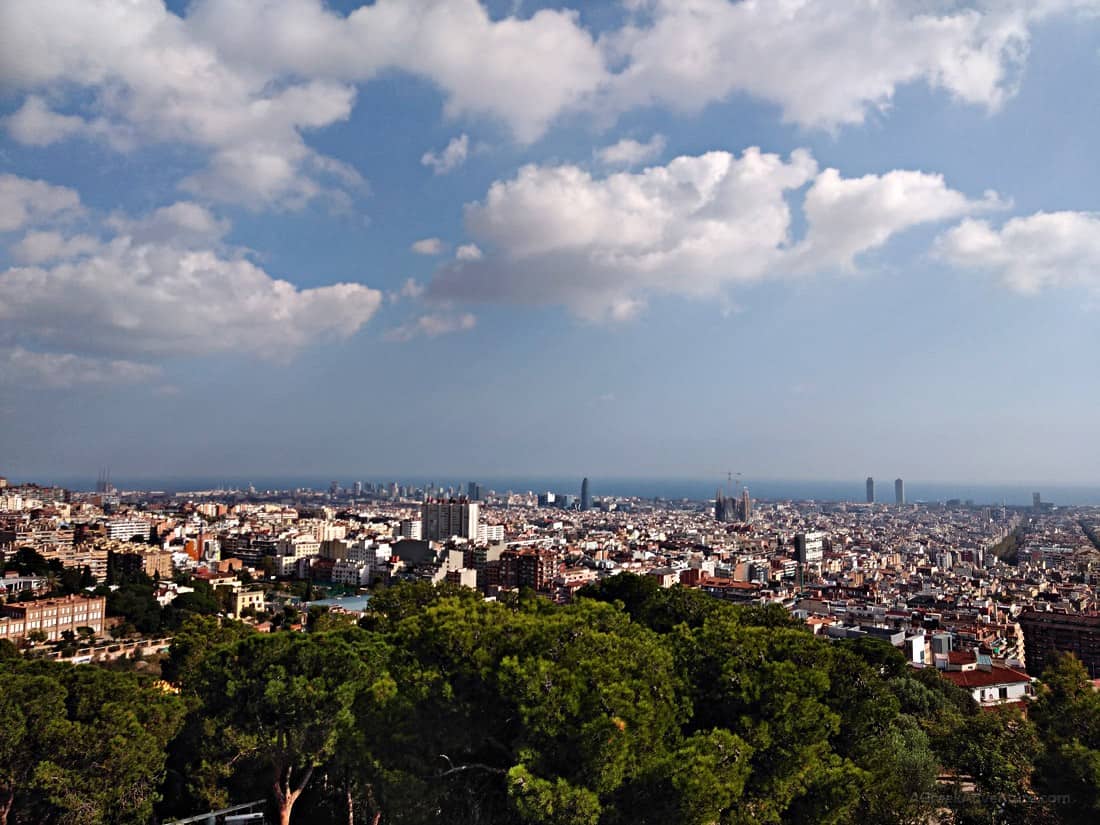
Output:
x=214 y=817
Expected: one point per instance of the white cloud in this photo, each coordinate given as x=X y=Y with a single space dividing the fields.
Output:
x=61 y=370
x=39 y=247
x=163 y=286
x=823 y=63
x=558 y=235
x=600 y=246
x=411 y=290
x=1044 y=250
x=469 y=252
x=246 y=81
x=25 y=202
x=850 y=216
x=523 y=72
x=432 y=325
x=628 y=152
x=183 y=223
x=428 y=246
x=157 y=300
x=453 y=156
x=35 y=124
x=153 y=80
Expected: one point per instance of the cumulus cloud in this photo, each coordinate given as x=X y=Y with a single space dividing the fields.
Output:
x=411 y=290
x=850 y=216
x=428 y=246
x=628 y=152
x=246 y=81
x=24 y=202
x=432 y=325
x=62 y=370
x=468 y=252
x=164 y=285
x=1031 y=253
x=823 y=63
x=39 y=247
x=153 y=80
x=35 y=124
x=159 y=300
x=520 y=71
x=183 y=223
x=452 y=156
x=558 y=235
x=600 y=246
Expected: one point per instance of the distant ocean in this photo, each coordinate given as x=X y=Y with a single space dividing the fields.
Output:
x=763 y=489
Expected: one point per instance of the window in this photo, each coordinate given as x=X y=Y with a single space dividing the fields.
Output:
x=1002 y=693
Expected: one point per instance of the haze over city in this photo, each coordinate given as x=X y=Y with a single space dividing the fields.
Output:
x=242 y=239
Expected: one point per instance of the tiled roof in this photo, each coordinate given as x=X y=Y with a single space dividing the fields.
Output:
x=999 y=675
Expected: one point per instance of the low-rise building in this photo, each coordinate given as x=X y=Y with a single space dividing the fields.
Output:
x=51 y=617
x=988 y=682
x=247 y=599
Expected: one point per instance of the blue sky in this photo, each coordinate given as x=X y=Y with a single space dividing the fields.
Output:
x=653 y=238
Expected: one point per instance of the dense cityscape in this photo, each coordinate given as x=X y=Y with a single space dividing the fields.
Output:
x=949 y=579
x=981 y=597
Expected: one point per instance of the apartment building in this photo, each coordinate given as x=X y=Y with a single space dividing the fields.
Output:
x=52 y=617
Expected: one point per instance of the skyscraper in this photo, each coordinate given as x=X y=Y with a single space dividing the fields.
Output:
x=746 y=505
x=473 y=491
x=899 y=492
x=870 y=490
x=1036 y=501
x=586 y=502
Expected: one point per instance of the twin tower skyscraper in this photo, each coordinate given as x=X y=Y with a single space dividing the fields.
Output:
x=899 y=491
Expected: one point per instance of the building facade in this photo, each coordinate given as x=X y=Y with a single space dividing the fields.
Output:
x=1046 y=634
x=52 y=617
x=442 y=518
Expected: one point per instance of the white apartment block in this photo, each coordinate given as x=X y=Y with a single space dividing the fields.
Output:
x=126 y=529
x=291 y=550
x=490 y=533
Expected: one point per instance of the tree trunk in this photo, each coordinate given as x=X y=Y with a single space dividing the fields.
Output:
x=286 y=794
x=351 y=804
x=7 y=797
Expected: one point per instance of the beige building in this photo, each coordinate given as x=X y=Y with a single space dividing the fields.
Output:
x=87 y=554
x=130 y=558
x=244 y=599
x=51 y=616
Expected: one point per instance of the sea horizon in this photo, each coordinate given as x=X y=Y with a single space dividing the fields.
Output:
x=763 y=489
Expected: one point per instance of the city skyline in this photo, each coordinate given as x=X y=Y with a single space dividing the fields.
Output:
x=563 y=223
x=1016 y=494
